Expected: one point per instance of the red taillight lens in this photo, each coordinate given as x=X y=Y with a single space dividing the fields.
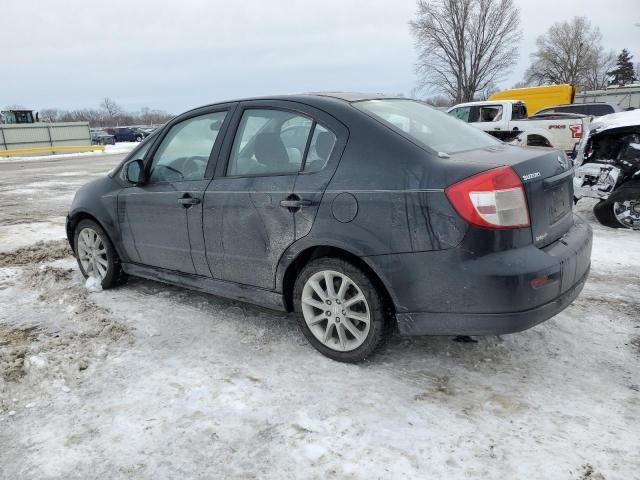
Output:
x=493 y=199
x=576 y=131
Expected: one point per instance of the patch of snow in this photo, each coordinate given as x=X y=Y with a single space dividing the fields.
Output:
x=93 y=284
x=20 y=235
x=118 y=148
x=153 y=381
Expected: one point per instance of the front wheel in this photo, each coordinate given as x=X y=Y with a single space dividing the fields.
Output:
x=95 y=254
x=340 y=310
x=622 y=208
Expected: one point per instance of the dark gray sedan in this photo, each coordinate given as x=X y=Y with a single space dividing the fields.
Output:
x=363 y=215
x=100 y=137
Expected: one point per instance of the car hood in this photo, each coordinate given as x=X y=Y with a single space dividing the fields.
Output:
x=615 y=120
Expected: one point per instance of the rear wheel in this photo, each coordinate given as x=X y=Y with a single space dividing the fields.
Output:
x=622 y=208
x=95 y=254
x=340 y=310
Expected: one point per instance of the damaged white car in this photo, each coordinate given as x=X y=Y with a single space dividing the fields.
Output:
x=608 y=168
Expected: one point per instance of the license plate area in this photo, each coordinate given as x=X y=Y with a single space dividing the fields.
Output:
x=559 y=202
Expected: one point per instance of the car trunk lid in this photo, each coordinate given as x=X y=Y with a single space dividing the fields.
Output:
x=547 y=177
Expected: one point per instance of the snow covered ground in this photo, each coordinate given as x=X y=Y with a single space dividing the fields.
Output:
x=117 y=149
x=148 y=381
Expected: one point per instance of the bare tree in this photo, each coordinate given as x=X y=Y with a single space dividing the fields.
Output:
x=465 y=46
x=112 y=108
x=439 y=101
x=570 y=52
x=50 y=115
x=597 y=74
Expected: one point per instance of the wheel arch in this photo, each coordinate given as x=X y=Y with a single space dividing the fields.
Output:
x=538 y=140
x=292 y=269
x=76 y=218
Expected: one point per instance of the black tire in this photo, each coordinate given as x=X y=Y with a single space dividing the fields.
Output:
x=114 y=275
x=381 y=318
x=603 y=210
x=139 y=138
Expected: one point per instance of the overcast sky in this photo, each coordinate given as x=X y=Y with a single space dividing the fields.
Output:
x=175 y=55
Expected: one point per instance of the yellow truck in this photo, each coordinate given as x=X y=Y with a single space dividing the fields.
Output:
x=537 y=98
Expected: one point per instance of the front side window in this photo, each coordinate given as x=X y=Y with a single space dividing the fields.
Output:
x=269 y=142
x=428 y=126
x=185 y=150
x=490 y=113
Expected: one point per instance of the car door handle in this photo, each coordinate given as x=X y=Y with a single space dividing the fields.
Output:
x=295 y=202
x=187 y=200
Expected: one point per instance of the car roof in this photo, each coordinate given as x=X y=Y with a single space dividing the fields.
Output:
x=580 y=104
x=315 y=99
x=485 y=102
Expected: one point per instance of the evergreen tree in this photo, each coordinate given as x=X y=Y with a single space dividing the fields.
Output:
x=623 y=73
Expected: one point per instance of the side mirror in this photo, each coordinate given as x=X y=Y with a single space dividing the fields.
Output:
x=135 y=172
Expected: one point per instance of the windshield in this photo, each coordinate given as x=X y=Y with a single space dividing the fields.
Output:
x=428 y=126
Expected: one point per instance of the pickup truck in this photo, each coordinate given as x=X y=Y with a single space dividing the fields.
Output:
x=508 y=121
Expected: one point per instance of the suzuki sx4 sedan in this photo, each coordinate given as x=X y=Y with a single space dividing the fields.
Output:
x=361 y=214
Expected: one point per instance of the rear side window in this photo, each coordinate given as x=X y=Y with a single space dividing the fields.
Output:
x=269 y=142
x=518 y=112
x=434 y=129
x=599 y=110
x=320 y=149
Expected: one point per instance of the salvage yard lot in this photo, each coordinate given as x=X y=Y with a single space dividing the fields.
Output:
x=152 y=381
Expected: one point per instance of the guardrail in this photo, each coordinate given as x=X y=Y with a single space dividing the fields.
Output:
x=56 y=149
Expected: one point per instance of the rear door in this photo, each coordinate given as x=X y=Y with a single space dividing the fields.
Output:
x=247 y=224
x=161 y=221
x=326 y=144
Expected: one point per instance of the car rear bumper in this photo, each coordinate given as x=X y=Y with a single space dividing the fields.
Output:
x=457 y=292
x=431 y=323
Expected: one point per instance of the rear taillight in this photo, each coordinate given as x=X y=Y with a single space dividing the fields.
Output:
x=493 y=199
x=576 y=131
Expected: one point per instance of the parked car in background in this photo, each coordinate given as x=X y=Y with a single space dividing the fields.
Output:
x=148 y=130
x=608 y=168
x=592 y=109
x=362 y=214
x=100 y=137
x=508 y=121
x=127 y=134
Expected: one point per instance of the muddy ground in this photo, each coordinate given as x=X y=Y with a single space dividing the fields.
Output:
x=148 y=381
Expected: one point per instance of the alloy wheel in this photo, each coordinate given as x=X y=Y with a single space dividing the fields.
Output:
x=92 y=253
x=335 y=310
x=627 y=213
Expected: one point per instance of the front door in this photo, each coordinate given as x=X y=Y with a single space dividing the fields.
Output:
x=250 y=206
x=161 y=220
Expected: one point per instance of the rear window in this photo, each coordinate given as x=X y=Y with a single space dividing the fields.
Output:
x=599 y=110
x=428 y=126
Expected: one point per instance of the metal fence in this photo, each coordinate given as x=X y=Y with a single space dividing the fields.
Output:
x=625 y=97
x=43 y=135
